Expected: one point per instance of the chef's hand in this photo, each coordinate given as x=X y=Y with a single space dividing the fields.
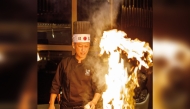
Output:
x=51 y=106
x=92 y=104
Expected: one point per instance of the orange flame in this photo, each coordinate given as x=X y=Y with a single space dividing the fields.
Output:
x=120 y=85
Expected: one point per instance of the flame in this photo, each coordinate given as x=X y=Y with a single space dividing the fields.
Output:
x=120 y=85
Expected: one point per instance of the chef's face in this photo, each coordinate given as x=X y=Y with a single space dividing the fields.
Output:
x=81 y=49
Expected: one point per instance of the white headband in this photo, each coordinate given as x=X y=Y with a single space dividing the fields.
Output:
x=81 y=37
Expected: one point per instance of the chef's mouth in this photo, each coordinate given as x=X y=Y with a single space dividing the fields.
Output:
x=82 y=53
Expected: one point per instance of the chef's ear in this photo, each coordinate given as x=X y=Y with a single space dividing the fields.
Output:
x=73 y=45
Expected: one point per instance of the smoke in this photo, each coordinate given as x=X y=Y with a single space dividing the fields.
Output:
x=103 y=16
x=99 y=69
x=100 y=18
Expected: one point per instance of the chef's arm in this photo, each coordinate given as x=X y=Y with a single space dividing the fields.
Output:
x=96 y=98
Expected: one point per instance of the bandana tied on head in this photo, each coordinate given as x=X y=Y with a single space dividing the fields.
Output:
x=81 y=38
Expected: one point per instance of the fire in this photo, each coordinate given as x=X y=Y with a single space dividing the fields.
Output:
x=120 y=85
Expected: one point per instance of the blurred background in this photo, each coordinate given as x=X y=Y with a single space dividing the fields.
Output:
x=18 y=77
x=171 y=54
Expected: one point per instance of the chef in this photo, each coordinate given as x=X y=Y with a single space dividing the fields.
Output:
x=74 y=78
